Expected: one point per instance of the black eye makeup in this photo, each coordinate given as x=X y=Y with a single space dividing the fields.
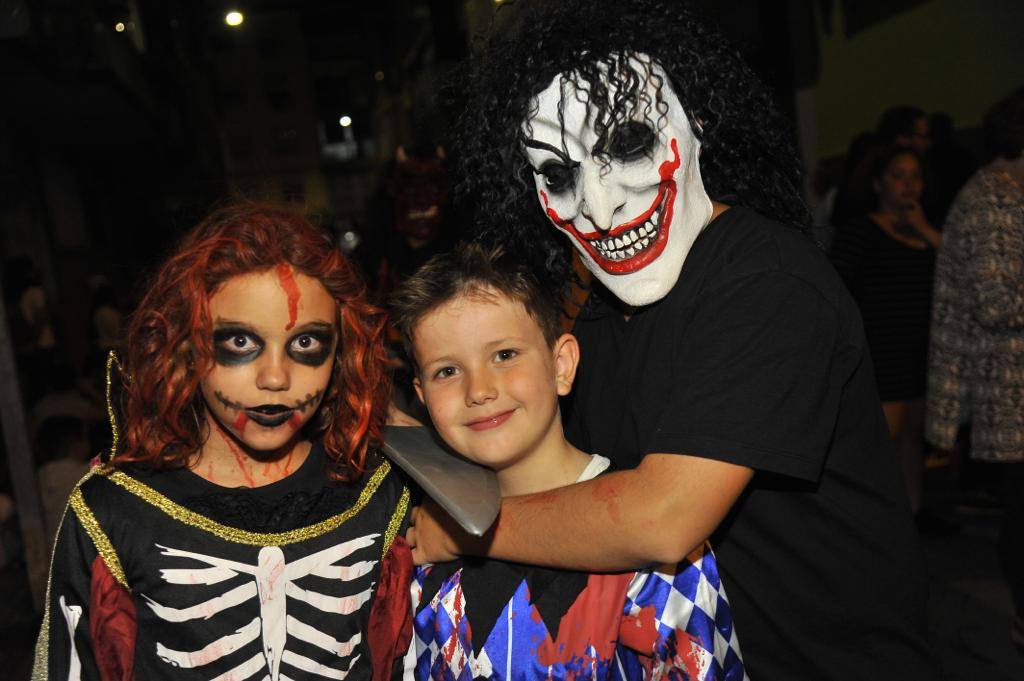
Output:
x=631 y=141
x=558 y=177
x=236 y=345
x=312 y=347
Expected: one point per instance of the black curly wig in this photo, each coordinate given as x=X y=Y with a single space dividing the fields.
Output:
x=747 y=149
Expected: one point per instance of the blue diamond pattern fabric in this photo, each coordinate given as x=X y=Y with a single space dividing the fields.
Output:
x=673 y=625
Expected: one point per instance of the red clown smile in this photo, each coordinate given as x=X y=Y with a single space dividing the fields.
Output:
x=633 y=245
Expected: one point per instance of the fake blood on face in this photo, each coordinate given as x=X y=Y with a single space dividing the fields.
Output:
x=291 y=289
x=243 y=463
x=278 y=470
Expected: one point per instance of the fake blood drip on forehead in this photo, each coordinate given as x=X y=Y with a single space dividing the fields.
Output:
x=291 y=289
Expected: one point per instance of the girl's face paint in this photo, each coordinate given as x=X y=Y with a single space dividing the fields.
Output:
x=273 y=357
x=235 y=345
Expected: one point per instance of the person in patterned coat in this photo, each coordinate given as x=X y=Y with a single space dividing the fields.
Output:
x=976 y=358
x=245 y=528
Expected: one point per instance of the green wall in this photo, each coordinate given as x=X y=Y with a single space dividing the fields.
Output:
x=957 y=56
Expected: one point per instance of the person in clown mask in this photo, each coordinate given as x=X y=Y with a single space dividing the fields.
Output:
x=723 y=363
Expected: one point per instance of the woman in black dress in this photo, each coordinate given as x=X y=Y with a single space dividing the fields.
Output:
x=887 y=258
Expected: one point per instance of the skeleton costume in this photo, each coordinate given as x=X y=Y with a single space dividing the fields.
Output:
x=164 y=575
x=491 y=619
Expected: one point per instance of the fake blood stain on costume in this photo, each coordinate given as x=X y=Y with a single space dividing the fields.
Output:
x=578 y=630
x=451 y=649
x=640 y=631
x=291 y=289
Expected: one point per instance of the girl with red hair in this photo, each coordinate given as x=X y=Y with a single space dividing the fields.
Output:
x=246 y=527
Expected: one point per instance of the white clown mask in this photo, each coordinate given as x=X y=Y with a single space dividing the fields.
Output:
x=633 y=214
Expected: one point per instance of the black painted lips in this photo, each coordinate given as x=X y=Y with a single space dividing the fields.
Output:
x=270 y=415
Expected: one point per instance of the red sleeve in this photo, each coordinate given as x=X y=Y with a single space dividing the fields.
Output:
x=390 y=628
x=111 y=625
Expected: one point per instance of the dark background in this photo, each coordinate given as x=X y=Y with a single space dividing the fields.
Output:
x=123 y=121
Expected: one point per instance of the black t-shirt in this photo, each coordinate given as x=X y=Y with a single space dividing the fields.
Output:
x=757 y=357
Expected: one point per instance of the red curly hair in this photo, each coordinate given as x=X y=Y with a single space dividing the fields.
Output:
x=170 y=339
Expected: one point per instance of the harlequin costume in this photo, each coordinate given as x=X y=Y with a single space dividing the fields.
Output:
x=478 y=618
x=164 y=575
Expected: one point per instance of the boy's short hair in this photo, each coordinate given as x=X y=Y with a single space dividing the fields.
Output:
x=472 y=270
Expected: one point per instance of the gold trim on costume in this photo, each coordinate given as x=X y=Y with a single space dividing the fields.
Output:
x=41 y=662
x=396 y=520
x=233 y=534
x=98 y=536
x=114 y=432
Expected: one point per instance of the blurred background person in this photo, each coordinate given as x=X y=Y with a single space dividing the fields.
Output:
x=976 y=366
x=899 y=127
x=950 y=165
x=66 y=396
x=851 y=197
x=887 y=259
x=905 y=126
x=31 y=324
x=105 y=318
x=62 y=454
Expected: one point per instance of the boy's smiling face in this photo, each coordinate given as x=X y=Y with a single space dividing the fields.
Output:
x=491 y=381
x=274 y=336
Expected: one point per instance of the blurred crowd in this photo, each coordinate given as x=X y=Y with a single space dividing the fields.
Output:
x=930 y=241
x=63 y=396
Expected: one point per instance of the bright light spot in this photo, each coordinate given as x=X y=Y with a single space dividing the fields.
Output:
x=119 y=27
x=379 y=76
x=345 y=121
x=234 y=18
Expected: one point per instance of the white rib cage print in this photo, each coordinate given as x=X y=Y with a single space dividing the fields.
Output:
x=272 y=584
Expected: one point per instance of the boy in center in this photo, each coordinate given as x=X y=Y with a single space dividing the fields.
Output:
x=491 y=363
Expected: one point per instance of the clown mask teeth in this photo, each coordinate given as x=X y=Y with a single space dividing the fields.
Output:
x=632 y=242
